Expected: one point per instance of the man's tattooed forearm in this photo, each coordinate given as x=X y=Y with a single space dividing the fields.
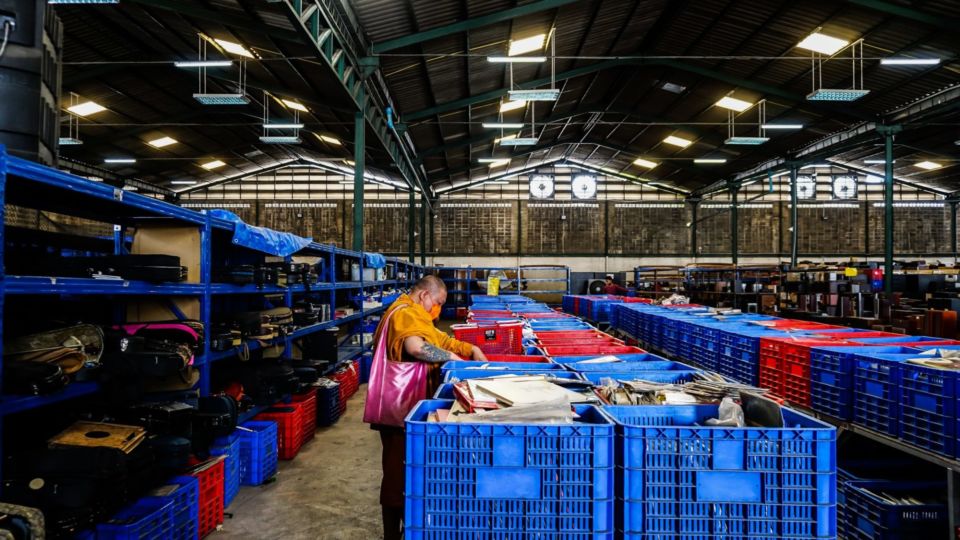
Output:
x=433 y=354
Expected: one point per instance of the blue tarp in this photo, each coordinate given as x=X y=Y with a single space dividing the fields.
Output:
x=374 y=260
x=262 y=239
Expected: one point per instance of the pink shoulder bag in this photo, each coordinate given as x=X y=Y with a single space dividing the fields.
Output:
x=394 y=387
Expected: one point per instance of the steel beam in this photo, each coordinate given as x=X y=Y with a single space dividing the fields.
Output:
x=935 y=20
x=887 y=132
x=953 y=230
x=694 y=206
x=794 y=222
x=359 y=142
x=467 y=25
x=411 y=228
x=423 y=231
x=195 y=10
x=734 y=217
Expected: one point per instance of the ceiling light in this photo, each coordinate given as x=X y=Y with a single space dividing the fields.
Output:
x=549 y=94
x=183 y=182
x=734 y=104
x=233 y=48
x=120 y=160
x=837 y=94
x=211 y=165
x=678 y=141
x=823 y=43
x=203 y=63
x=283 y=126
x=86 y=109
x=330 y=140
x=781 y=126
x=751 y=141
x=673 y=88
x=498 y=182
x=877 y=161
x=162 y=142
x=519 y=141
x=491 y=160
x=525 y=45
x=294 y=105
x=508 y=106
x=280 y=139
x=70 y=141
x=928 y=165
x=645 y=163
x=499 y=140
x=502 y=125
x=517 y=59
x=222 y=99
x=350 y=162
x=909 y=61
x=709 y=160
x=874 y=179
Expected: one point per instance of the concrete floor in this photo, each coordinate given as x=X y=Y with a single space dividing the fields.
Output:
x=330 y=491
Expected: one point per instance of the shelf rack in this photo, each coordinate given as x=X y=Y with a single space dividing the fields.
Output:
x=460 y=281
x=662 y=280
x=30 y=185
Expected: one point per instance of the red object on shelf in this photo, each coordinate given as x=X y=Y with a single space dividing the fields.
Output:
x=462 y=312
x=517 y=358
x=590 y=350
x=289 y=428
x=569 y=333
x=580 y=341
x=210 y=501
x=492 y=338
x=785 y=366
x=307 y=402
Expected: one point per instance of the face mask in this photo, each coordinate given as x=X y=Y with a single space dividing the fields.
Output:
x=435 y=312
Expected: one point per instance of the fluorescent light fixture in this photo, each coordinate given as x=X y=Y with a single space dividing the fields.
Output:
x=928 y=165
x=678 y=141
x=733 y=104
x=673 y=88
x=87 y=108
x=781 y=126
x=519 y=141
x=222 y=99
x=350 y=162
x=498 y=182
x=874 y=179
x=492 y=160
x=525 y=45
x=162 y=142
x=836 y=94
x=330 y=140
x=517 y=59
x=502 y=125
x=710 y=160
x=183 y=182
x=549 y=94
x=203 y=63
x=283 y=126
x=233 y=48
x=646 y=163
x=508 y=106
x=70 y=141
x=823 y=43
x=280 y=139
x=816 y=166
x=211 y=165
x=909 y=61
x=499 y=140
x=747 y=141
x=120 y=160
x=877 y=161
x=294 y=105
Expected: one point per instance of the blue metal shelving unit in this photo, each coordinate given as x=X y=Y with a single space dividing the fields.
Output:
x=461 y=285
x=36 y=186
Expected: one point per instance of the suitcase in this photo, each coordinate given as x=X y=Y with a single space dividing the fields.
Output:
x=152 y=268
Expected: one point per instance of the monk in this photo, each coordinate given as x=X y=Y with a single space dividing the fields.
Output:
x=412 y=337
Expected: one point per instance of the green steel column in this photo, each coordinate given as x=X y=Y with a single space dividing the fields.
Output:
x=694 y=206
x=953 y=230
x=423 y=230
x=793 y=217
x=433 y=247
x=733 y=224
x=411 y=227
x=359 y=125
x=888 y=132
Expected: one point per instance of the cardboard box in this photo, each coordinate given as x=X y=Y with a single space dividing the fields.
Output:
x=165 y=239
x=160 y=310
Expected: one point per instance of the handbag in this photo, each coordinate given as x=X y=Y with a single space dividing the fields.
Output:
x=394 y=387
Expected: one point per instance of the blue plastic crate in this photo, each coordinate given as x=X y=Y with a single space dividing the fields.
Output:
x=149 y=518
x=232 y=468
x=496 y=367
x=682 y=479
x=572 y=362
x=258 y=452
x=510 y=481
x=900 y=339
x=831 y=378
x=876 y=391
x=366 y=362
x=928 y=408
x=329 y=407
x=633 y=367
x=463 y=374
x=184 y=493
x=445 y=391
x=666 y=377
x=871 y=517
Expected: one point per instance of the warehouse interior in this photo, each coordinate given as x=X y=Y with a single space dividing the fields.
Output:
x=732 y=211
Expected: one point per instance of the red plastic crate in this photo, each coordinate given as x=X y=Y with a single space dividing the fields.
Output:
x=517 y=358
x=580 y=341
x=491 y=313
x=793 y=364
x=289 y=428
x=349 y=379
x=590 y=350
x=569 y=333
x=855 y=335
x=210 y=502
x=492 y=338
x=307 y=401
x=771 y=376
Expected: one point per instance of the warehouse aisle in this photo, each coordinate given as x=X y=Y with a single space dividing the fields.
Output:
x=329 y=492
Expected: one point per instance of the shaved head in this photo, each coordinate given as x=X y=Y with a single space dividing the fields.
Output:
x=430 y=283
